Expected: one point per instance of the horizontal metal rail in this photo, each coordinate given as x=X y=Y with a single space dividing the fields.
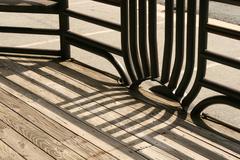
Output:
x=29 y=51
x=231 y=92
x=30 y=9
x=232 y=2
x=27 y=30
x=93 y=20
x=110 y=2
x=223 y=31
x=222 y=59
x=106 y=47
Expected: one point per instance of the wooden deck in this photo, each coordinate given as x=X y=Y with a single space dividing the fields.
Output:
x=64 y=110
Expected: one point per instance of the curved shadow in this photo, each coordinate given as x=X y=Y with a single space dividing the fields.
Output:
x=131 y=113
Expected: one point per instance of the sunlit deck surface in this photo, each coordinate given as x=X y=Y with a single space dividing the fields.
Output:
x=65 y=110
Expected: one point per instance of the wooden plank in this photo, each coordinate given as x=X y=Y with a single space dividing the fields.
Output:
x=87 y=150
x=21 y=145
x=15 y=76
x=146 y=132
x=54 y=129
x=32 y=75
x=37 y=136
x=155 y=152
x=101 y=140
x=181 y=125
x=6 y=153
x=41 y=121
x=198 y=132
x=156 y=129
x=94 y=121
x=161 y=116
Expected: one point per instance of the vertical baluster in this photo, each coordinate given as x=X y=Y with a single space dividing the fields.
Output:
x=179 y=55
x=125 y=39
x=152 y=9
x=133 y=38
x=202 y=46
x=168 y=46
x=144 y=53
x=190 y=53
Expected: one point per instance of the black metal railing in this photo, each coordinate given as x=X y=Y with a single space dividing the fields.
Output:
x=228 y=96
x=54 y=7
x=139 y=48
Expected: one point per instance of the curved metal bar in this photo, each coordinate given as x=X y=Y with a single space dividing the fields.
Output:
x=125 y=40
x=180 y=18
x=196 y=112
x=152 y=9
x=190 y=59
x=122 y=72
x=202 y=45
x=78 y=42
x=144 y=53
x=168 y=44
x=133 y=38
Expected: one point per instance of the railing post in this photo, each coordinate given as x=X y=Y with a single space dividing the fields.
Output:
x=64 y=27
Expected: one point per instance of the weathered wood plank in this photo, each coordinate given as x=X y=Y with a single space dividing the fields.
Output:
x=188 y=140
x=21 y=145
x=6 y=153
x=87 y=150
x=36 y=136
x=180 y=124
x=54 y=129
x=101 y=140
x=94 y=121
x=155 y=152
x=108 y=117
x=41 y=121
x=34 y=76
x=137 y=120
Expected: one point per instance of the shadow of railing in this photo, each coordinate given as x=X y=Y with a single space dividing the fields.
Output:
x=139 y=50
x=98 y=101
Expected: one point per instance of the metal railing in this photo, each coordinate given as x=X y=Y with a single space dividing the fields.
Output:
x=56 y=7
x=139 y=48
x=228 y=96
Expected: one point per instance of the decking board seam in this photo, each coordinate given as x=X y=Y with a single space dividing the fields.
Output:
x=202 y=129
x=9 y=145
x=66 y=113
x=74 y=104
x=24 y=119
x=62 y=140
